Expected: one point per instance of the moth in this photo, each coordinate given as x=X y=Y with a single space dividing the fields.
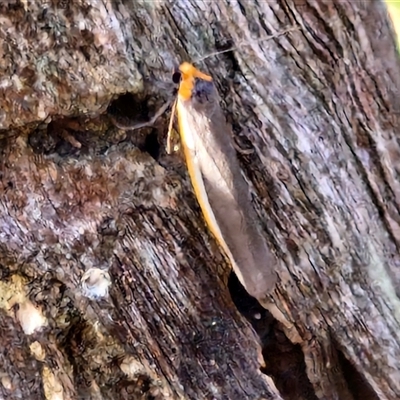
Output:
x=220 y=188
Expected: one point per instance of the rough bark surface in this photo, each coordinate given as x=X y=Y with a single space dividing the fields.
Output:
x=318 y=111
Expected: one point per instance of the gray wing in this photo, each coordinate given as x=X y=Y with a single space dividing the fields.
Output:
x=229 y=194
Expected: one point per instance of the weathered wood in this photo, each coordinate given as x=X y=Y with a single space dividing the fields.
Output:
x=317 y=108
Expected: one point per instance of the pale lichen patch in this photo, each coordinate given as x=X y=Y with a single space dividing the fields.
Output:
x=38 y=351
x=6 y=381
x=53 y=388
x=14 y=293
x=30 y=317
x=131 y=367
x=95 y=283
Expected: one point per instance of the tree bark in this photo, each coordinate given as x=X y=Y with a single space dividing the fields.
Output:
x=112 y=287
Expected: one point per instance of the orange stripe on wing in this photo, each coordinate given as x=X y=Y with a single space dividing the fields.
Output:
x=188 y=141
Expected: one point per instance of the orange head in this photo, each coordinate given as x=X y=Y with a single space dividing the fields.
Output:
x=188 y=75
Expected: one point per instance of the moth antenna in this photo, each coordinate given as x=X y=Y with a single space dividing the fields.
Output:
x=170 y=125
x=275 y=35
x=139 y=125
x=160 y=112
x=176 y=79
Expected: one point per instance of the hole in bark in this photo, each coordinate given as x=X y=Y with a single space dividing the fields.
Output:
x=128 y=112
x=41 y=142
x=151 y=145
x=128 y=109
x=260 y=319
x=284 y=362
x=66 y=136
x=357 y=384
